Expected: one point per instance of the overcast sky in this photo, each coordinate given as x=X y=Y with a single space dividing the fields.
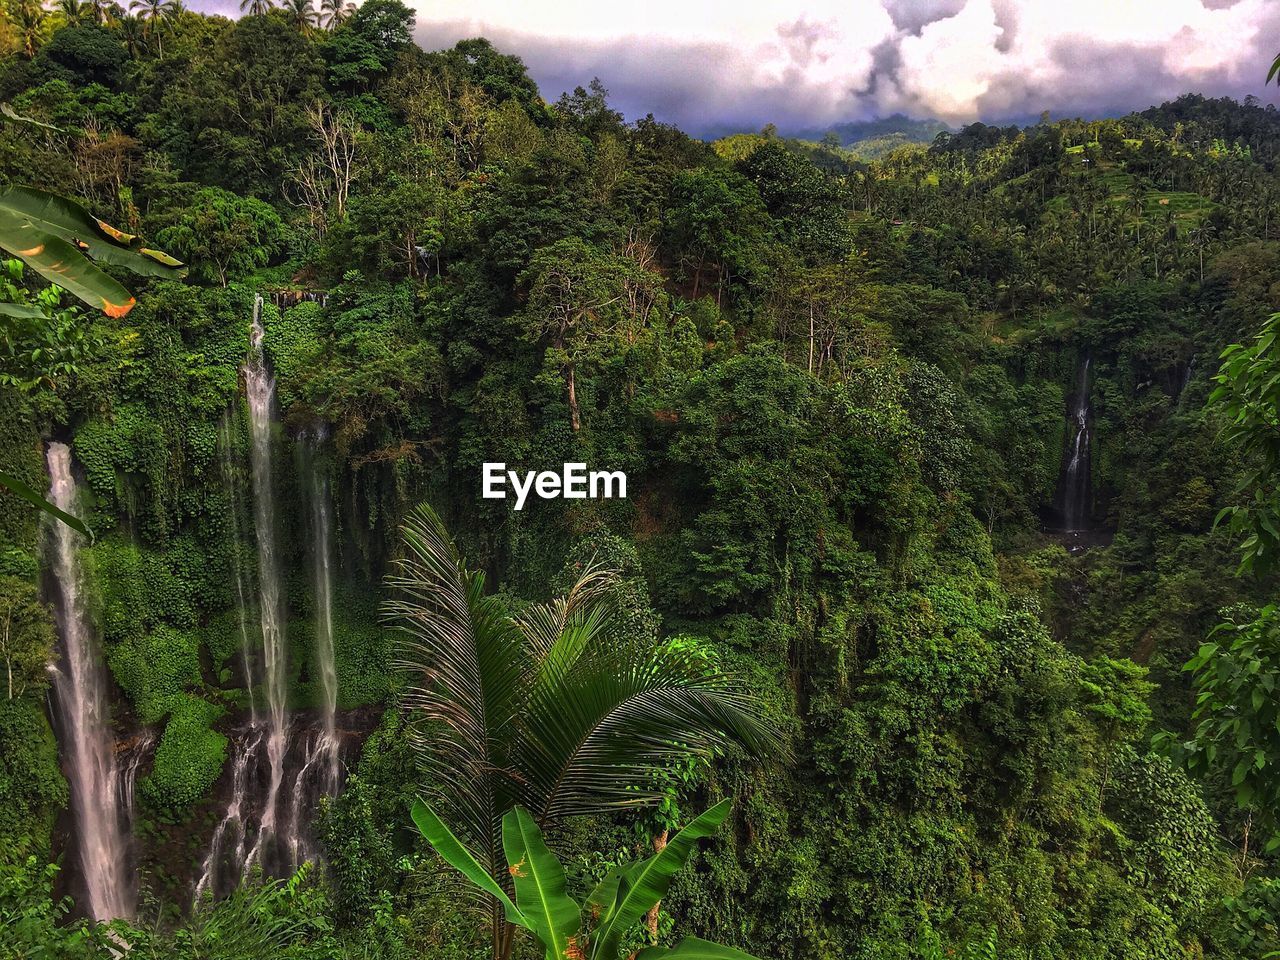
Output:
x=714 y=64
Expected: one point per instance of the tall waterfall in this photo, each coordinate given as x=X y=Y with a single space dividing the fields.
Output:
x=260 y=391
x=322 y=580
x=318 y=773
x=1075 y=484
x=84 y=719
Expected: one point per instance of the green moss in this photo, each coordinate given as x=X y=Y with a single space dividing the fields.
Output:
x=155 y=668
x=188 y=759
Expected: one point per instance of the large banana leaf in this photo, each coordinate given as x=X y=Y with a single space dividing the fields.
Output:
x=605 y=894
x=63 y=217
x=52 y=235
x=459 y=857
x=540 y=887
x=10 y=114
x=691 y=948
x=15 y=485
x=59 y=262
x=645 y=883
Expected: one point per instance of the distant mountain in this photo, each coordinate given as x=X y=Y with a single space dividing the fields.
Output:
x=870 y=139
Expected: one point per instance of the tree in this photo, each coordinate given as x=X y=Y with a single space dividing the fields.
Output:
x=152 y=12
x=256 y=8
x=1248 y=396
x=551 y=710
x=1237 y=715
x=322 y=182
x=333 y=13
x=576 y=295
x=613 y=909
x=223 y=234
x=302 y=14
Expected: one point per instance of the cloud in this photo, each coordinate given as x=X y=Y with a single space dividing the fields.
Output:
x=710 y=66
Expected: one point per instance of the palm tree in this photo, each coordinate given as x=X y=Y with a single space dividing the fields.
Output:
x=302 y=14
x=334 y=12
x=557 y=710
x=152 y=12
x=100 y=10
x=74 y=10
x=32 y=25
x=256 y=8
x=134 y=34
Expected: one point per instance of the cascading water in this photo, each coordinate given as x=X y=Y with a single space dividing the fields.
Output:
x=84 y=719
x=322 y=578
x=260 y=391
x=224 y=863
x=318 y=774
x=1075 y=483
x=1186 y=381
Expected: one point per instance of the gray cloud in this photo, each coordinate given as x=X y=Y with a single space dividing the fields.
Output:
x=709 y=87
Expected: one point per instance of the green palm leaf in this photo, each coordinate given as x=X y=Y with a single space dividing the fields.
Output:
x=464 y=663
x=540 y=886
x=595 y=737
x=645 y=883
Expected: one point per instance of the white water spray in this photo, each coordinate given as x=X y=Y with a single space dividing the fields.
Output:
x=84 y=718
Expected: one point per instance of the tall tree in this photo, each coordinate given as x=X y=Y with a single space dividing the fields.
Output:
x=302 y=14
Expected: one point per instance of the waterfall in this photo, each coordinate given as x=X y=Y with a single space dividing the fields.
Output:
x=231 y=484
x=260 y=391
x=1186 y=381
x=135 y=755
x=318 y=773
x=322 y=578
x=84 y=718
x=223 y=865
x=1075 y=484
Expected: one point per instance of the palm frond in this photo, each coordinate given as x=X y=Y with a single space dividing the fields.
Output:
x=598 y=738
x=464 y=664
x=545 y=623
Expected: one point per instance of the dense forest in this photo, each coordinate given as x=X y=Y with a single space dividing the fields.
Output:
x=945 y=557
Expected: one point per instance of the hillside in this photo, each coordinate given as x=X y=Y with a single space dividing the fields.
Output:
x=918 y=536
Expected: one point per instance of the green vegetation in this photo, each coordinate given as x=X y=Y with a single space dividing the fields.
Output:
x=837 y=380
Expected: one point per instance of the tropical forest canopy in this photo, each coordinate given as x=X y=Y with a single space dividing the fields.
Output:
x=923 y=480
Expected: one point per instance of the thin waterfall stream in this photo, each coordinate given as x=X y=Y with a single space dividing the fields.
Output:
x=260 y=390
x=1074 y=501
x=83 y=717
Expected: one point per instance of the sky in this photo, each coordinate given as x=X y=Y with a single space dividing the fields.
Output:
x=715 y=65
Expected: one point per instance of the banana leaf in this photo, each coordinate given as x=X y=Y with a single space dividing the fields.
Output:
x=14 y=485
x=691 y=948
x=460 y=858
x=65 y=218
x=645 y=883
x=553 y=916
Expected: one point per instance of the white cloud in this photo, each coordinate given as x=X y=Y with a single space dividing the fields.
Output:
x=819 y=61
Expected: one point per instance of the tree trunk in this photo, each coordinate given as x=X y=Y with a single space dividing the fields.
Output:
x=651 y=918
x=575 y=418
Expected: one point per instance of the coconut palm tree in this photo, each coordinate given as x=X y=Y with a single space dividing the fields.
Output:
x=256 y=8
x=302 y=14
x=133 y=32
x=557 y=710
x=32 y=24
x=334 y=12
x=152 y=12
x=74 y=10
